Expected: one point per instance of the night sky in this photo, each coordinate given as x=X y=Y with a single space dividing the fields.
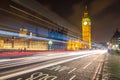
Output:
x=105 y=15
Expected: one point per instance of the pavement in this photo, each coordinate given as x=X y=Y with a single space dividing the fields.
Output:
x=112 y=67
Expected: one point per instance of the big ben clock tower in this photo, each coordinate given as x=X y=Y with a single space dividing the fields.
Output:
x=86 y=30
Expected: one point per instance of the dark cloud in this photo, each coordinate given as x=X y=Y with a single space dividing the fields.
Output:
x=103 y=13
x=105 y=20
x=61 y=7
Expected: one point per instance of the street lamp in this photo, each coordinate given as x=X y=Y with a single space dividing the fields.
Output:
x=50 y=42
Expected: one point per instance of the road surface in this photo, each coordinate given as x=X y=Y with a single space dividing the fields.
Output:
x=73 y=66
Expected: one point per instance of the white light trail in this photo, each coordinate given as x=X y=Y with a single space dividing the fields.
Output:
x=27 y=36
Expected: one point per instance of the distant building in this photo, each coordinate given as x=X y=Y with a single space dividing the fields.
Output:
x=115 y=41
x=26 y=24
x=86 y=30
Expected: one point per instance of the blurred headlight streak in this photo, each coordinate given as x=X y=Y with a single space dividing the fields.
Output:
x=27 y=36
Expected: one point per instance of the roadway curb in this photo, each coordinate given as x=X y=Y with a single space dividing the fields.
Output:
x=99 y=70
x=105 y=73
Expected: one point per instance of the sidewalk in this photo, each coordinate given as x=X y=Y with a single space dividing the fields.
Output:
x=112 y=67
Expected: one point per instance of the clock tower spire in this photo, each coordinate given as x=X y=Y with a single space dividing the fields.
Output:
x=86 y=12
x=86 y=30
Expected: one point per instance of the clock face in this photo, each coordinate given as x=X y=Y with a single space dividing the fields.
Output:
x=85 y=23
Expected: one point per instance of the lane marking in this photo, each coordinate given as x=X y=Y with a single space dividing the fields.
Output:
x=58 y=68
x=72 y=70
x=90 y=62
x=72 y=77
x=96 y=57
x=87 y=65
x=40 y=67
x=40 y=75
x=93 y=78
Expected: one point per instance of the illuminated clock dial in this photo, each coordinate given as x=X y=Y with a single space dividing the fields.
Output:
x=85 y=23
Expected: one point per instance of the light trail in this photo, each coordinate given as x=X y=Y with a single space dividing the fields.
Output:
x=41 y=67
x=27 y=36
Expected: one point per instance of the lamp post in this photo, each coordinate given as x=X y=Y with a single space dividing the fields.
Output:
x=29 y=39
x=50 y=42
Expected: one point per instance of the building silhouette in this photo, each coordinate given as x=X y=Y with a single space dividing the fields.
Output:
x=115 y=41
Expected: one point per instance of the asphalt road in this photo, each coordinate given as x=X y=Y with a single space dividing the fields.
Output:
x=74 y=67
